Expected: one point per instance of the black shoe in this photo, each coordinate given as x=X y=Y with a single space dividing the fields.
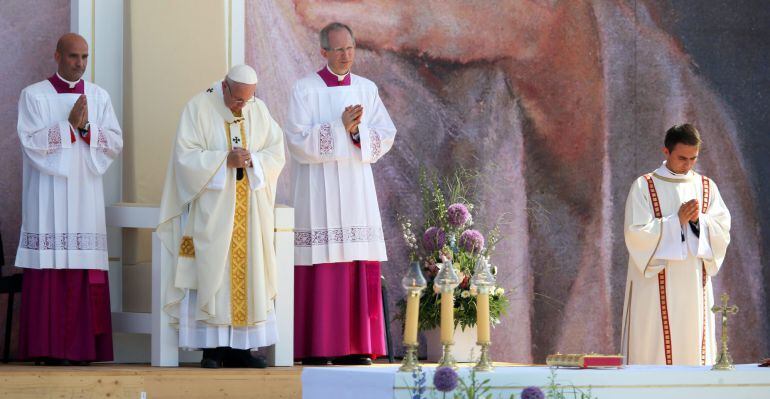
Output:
x=80 y=363
x=50 y=361
x=353 y=360
x=209 y=363
x=315 y=361
x=242 y=358
x=212 y=358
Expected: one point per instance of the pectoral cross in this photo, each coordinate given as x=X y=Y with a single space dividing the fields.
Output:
x=724 y=360
x=236 y=140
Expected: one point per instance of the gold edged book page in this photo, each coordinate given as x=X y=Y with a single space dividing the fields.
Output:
x=583 y=361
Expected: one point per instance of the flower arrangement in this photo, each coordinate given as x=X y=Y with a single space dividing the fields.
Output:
x=475 y=386
x=448 y=235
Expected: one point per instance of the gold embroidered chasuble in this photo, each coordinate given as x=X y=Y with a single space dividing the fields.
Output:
x=212 y=222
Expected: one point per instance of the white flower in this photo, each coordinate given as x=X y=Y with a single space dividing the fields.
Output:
x=500 y=291
x=465 y=294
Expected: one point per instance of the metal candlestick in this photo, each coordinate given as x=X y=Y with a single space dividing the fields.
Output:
x=485 y=363
x=724 y=360
x=447 y=359
x=410 y=362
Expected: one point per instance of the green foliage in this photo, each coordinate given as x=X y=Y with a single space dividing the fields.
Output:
x=558 y=391
x=464 y=309
x=475 y=388
x=436 y=195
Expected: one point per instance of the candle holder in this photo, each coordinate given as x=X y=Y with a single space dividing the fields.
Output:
x=446 y=280
x=483 y=282
x=413 y=282
x=410 y=362
x=485 y=363
x=447 y=359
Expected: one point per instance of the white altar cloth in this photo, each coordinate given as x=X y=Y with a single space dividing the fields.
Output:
x=660 y=382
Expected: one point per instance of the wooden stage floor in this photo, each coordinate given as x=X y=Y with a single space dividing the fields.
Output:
x=22 y=381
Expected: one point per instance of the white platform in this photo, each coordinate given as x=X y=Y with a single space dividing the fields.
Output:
x=164 y=338
x=634 y=382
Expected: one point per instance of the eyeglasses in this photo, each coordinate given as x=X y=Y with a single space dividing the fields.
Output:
x=341 y=50
x=238 y=101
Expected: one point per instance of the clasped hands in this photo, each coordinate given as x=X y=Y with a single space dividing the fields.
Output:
x=351 y=117
x=689 y=212
x=238 y=158
x=79 y=113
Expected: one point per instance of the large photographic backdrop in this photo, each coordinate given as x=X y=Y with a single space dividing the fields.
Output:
x=560 y=104
x=28 y=33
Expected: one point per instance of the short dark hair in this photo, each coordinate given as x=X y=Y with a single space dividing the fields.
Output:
x=685 y=133
x=324 y=35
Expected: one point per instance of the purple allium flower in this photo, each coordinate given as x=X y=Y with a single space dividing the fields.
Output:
x=458 y=215
x=433 y=239
x=445 y=379
x=532 y=393
x=472 y=241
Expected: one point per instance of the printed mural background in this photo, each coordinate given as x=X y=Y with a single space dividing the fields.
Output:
x=561 y=104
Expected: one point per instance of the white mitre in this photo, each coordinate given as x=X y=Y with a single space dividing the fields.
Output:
x=243 y=74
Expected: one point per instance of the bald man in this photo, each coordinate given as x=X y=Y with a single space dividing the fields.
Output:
x=69 y=137
x=216 y=222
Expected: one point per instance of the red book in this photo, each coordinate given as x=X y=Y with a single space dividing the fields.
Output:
x=585 y=361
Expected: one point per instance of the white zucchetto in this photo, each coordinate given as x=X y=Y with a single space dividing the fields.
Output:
x=243 y=74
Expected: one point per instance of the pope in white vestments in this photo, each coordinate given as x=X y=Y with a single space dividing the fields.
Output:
x=217 y=222
x=69 y=137
x=677 y=229
x=337 y=128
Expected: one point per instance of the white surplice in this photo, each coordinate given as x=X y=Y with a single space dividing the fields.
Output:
x=62 y=197
x=336 y=213
x=199 y=204
x=678 y=302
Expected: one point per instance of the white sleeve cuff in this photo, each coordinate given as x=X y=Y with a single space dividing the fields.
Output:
x=256 y=174
x=704 y=243
x=371 y=144
x=671 y=246
x=65 y=134
x=218 y=181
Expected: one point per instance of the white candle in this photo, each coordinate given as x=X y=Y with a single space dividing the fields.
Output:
x=482 y=317
x=447 y=317
x=412 y=312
